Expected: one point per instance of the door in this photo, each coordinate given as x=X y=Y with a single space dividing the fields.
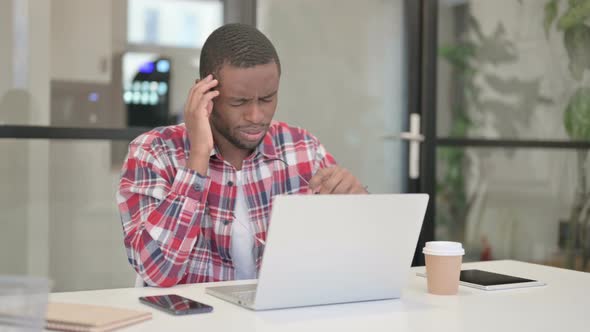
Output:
x=350 y=75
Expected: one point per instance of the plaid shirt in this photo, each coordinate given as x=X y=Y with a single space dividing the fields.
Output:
x=177 y=223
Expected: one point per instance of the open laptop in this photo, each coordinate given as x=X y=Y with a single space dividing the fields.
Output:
x=325 y=249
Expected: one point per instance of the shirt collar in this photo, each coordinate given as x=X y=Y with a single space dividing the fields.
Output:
x=267 y=147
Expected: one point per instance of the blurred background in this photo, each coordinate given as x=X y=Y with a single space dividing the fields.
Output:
x=501 y=89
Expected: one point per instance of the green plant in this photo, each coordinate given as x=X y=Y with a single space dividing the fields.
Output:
x=473 y=51
x=576 y=118
x=476 y=89
x=454 y=203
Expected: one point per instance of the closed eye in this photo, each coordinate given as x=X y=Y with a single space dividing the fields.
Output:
x=238 y=102
x=268 y=98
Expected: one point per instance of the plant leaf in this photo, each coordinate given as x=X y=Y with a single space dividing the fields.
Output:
x=577 y=44
x=550 y=15
x=577 y=115
x=458 y=55
x=576 y=14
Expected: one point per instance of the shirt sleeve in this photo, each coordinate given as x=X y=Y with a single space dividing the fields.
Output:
x=161 y=211
x=322 y=158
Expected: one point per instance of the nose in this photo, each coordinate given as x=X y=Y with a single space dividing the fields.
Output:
x=254 y=113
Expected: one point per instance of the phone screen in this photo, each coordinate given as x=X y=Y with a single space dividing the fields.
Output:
x=176 y=304
x=486 y=278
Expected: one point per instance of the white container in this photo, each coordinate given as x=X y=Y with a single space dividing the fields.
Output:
x=443 y=266
x=443 y=248
x=23 y=303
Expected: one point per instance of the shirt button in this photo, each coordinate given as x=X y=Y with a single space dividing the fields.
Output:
x=226 y=221
x=230 y=183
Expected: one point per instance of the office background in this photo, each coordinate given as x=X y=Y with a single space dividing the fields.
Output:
x=508 y=97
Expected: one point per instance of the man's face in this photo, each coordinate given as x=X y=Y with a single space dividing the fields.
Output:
x=246 y=104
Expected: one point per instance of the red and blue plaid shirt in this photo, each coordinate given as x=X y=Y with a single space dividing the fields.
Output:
x=177 y=223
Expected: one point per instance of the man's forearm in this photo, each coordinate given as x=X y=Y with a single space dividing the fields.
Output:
x=159 y=244
x=198 y=161
x=160 y=232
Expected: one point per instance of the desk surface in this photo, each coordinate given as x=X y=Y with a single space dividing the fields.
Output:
x=563 y=303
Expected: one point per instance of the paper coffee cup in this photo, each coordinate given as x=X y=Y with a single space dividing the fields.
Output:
x=443 y=266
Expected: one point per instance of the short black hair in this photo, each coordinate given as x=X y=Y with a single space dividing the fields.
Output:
x=239 y=45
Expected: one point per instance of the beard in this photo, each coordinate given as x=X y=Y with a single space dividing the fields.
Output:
x=232 y=134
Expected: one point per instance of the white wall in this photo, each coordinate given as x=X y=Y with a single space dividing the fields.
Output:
x=58 y=213
x=24 y=100
x=58 y=204
x=81 y=40
x=86 y=248
x=5 y=52
x=343 y=79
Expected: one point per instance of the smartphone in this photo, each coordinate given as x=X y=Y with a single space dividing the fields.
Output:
x=176 y=304
x=486 y=280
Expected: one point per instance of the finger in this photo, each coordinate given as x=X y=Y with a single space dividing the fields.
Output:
x=319 y=176
x=204 y=86
x=346 y=185
x=189 y=99
x=206 y=99
x=192 y=93
x=315 y=181
x=197 y=90
x=315 y=191
x=332 y=181
x=209 y=108
x=206 y=78
x=359 y=189
x=200 y=82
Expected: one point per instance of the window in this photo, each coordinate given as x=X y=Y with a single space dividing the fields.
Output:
x=172 y=23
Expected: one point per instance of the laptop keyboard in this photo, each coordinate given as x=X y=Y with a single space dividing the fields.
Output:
x=244 y=294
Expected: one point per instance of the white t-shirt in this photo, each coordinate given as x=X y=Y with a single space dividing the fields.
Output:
x=242 y=237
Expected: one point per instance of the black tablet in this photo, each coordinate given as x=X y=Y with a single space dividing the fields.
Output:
x=492 y=281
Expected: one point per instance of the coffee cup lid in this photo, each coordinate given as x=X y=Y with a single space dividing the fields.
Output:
x=443 y=248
